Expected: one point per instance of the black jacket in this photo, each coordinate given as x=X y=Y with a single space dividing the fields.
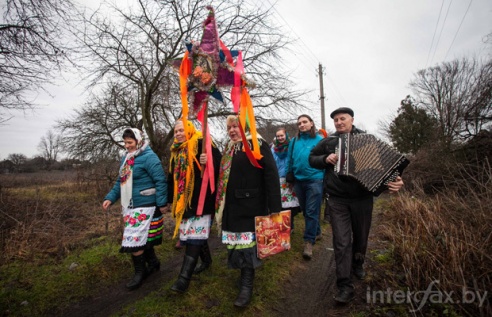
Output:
x=251 y=191
x=209 y=205
x=338 y=187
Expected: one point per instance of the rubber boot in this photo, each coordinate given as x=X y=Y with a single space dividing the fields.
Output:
x=246 y=290
x=140 y=272
x=206 y=258
x=189 y=263
x=153 y=263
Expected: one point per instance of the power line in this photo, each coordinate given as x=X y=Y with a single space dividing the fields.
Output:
x=305 y=47
x=341 y=100
x=292 y=30
x=440 y=33
x=311 y=60
x=433 y=36
x=459 y=27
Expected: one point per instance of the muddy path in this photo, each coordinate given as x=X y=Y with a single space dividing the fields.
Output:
x=308 y=291
x=114 y=298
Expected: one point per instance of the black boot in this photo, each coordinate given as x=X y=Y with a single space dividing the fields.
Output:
x=358 y=266
x=189 y=263
x=206 y=258
x=246 y=290
x=140 y=272
x=153 y=263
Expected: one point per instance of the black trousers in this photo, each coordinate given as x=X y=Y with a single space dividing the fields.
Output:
x=351 y=222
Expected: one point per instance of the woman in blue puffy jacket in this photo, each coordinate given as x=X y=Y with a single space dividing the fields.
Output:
x=142 y=188
x=280 y=151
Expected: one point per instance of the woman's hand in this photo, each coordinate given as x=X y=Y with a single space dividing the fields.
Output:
x=203 y=158
x=395 y=185
x=106 y=204
x=331 y=159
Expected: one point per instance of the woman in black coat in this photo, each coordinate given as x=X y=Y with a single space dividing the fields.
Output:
x=244 y=192
x=184 y=186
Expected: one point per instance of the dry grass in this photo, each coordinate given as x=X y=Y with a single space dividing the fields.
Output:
x=446 y=238
x=48 y=214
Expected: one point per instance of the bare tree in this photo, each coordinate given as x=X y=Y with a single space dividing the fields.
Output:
x=18 y=160
x=94 y=130
x=50 y=146
x=137 y=46
x=458 y=94
x=32 y=50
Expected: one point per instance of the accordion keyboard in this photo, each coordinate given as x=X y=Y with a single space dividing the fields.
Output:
x=372 y=162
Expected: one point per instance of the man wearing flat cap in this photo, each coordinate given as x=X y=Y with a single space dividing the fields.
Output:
x=350 y=207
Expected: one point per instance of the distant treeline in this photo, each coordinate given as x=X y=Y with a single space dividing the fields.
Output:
x=19 y=163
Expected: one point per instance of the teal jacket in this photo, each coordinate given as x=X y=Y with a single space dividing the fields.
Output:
x=147 y=173
x=299 y=150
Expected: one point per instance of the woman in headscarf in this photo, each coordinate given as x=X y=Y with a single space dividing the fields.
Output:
x=244 y=192
x=184 y=187
x=142 y=188
x=280 y=150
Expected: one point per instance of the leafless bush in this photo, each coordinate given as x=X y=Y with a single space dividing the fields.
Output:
x=49 y=218
x=97 y=178
x=446 y=237
x=437 y=167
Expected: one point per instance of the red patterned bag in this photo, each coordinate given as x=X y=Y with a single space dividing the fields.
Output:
x=272 y=233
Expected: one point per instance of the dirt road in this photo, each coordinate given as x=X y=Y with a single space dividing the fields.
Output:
x=310 y=290
x=307 y=292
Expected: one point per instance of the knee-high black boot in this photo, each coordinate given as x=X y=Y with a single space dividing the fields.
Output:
x=140 y=272
x=246 y=290
x=153 y=263
x=206 y=258
x=189 y=263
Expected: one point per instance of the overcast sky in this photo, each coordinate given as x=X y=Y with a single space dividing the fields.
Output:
x=369 y=49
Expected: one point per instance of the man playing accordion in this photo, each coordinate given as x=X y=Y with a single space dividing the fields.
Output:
x=350 y=206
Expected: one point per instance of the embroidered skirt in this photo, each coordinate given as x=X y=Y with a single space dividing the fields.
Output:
x=287 y=194
x=195 y=230
x=241 y=250
x=143 y=228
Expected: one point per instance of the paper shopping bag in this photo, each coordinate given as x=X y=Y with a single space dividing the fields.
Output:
x=272 y=233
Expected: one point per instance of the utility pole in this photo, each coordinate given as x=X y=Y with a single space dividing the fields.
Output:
x=322 y=95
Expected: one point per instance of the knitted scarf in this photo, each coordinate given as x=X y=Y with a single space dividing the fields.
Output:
x=183 y=155
x=126 y=169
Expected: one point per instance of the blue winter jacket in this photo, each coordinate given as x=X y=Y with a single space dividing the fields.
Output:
x=281 y=159
x=147 y=173
x=299 y=163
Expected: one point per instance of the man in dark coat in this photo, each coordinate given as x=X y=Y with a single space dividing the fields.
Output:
x=350 y=207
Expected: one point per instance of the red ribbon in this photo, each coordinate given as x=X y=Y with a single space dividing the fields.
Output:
x=246 y=148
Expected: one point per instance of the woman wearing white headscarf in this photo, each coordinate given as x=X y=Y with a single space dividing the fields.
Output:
x=142 y=188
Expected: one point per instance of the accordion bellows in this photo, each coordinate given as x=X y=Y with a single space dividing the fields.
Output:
x=372 y=162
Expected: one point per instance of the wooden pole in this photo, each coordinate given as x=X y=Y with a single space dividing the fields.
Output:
x=204 y=131
x=322 y=95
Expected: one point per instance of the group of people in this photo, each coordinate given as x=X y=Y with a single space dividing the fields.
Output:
x=293 y=174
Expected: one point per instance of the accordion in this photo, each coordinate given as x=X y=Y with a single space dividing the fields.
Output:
x=372 y=162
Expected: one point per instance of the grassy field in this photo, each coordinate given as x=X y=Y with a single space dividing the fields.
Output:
x=62 y=248
x=58 y=247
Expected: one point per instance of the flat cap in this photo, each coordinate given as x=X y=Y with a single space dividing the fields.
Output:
x=342 y=110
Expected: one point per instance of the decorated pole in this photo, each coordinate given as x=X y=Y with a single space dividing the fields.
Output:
x=206 y=67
